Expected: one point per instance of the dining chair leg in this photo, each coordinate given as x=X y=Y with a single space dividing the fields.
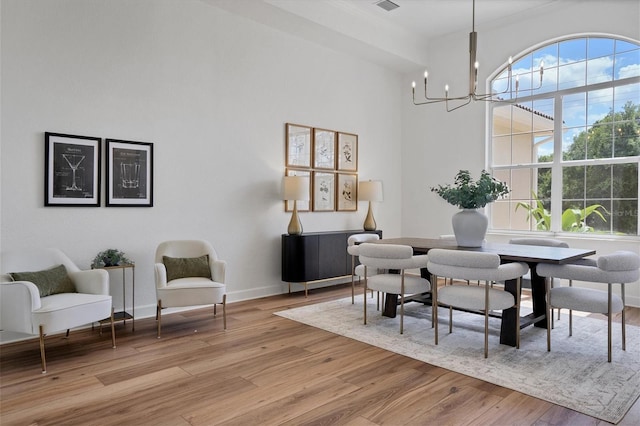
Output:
x=434 y=307
x=548 y=313
x=486 y=319
x=609 y=315
x=518 y=290
x=624 y=334
x=402 y=303
x=364 y=295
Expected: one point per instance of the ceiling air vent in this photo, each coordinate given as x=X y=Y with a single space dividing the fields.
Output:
x=387 y=5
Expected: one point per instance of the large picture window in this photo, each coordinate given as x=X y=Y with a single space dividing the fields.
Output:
x=569 y=146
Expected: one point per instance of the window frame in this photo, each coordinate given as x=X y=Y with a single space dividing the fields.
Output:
x=558 y=164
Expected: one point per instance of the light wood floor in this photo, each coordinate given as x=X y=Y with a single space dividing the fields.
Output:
x=263 y=370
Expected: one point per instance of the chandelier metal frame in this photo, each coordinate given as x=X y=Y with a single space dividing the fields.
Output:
x=473 y=80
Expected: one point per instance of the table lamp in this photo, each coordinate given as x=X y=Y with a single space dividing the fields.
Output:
x=295 y=188
x=370 y=190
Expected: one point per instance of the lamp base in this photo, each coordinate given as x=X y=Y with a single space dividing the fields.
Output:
x=369 y=222
x=295 y=226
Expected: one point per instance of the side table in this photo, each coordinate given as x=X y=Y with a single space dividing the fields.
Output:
x=124 y=315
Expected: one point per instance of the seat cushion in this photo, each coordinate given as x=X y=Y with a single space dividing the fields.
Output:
x=183 y=267
x=49 y=281
x=390 y=283
x=191 y=292
x=67 y=310
x=472 y=297
x=584 y=300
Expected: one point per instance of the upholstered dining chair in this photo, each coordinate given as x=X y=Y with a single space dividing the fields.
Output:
x=545 y=242
x=619 y=267
x=470 y=265
x=43 y=292
x=392 y=257
x=353 y=249
x=189 y=273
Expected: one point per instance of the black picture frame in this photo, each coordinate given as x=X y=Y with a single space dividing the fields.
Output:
x=129 y=173
x=72 y=170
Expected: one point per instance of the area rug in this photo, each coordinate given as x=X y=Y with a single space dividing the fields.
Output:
x=575 y=374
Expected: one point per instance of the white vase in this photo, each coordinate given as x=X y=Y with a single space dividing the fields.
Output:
x=470 y=227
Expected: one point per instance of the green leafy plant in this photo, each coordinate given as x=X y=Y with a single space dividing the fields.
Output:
x=469 y=194
x=110 y=257
x=573 y=220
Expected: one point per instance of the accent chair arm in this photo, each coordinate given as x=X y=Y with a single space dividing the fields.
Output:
x=93 y=281
x=218 y=270
x=18 y=300
x=161 y=275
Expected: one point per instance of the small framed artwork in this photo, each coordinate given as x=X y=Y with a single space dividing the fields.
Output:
x=303 y=206
x=347 y=152
x=72 y=170
x=347 y=192
x=129 y=174
x=298 y=145
x=324 y=190
x=324 y=149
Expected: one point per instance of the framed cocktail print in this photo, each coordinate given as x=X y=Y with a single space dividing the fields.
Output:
x=129 y=173
x=324 y=149
x=298 y=145
x=303 y=206
x=72 y=170
x=347 y=152
x=347 y=192
x=324 y=190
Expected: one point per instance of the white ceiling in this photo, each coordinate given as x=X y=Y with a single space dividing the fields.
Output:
x=397 y=38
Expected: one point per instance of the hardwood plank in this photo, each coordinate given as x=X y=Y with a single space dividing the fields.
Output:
x=264 y=369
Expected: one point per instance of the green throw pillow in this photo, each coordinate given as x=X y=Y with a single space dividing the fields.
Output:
x=185 y=267
x=50 y=281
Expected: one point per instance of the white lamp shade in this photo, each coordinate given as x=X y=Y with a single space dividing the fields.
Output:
x=295 y=188
x=370 y=190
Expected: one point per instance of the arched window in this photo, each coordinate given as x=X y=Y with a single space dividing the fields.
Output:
x=569 y=145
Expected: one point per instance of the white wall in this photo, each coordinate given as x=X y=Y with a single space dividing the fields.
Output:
x=212 y=92
x=436 y=144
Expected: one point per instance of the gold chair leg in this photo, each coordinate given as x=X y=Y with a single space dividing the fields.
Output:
x=159 y=316
x=224 y=311
x=113 y=329
x=549 y=314
x=609 y=315
x=624 y=334
x=402 y=303
x=434 y=306
x=42 y=356
x=364 y=295
x=486 y=319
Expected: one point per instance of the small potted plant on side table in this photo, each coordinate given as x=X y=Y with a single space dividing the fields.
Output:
x=110 y=257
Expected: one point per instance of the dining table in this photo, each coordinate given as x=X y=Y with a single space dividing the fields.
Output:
x=529 y=254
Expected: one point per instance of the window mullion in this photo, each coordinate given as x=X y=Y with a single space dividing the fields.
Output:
x=556 y=170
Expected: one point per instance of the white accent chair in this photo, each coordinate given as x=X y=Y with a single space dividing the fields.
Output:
x=392 y=257
x=469 y=265
x=353 y=248
x=185 y=290
x=23 y=310
x=619 y=267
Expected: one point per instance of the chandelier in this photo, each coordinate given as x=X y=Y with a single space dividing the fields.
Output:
x=460 y=101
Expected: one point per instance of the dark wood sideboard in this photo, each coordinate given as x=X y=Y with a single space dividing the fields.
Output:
x=316 y=256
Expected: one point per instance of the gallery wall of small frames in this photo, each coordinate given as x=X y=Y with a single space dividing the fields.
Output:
x=330 y=159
